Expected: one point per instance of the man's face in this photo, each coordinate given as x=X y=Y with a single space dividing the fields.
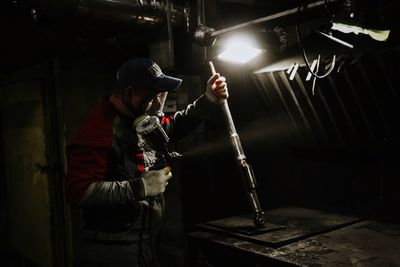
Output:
x=139 y=101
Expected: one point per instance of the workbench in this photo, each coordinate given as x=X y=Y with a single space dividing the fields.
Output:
x=301 y=237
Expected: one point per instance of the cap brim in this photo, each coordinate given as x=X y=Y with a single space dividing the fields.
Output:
x=166 y=83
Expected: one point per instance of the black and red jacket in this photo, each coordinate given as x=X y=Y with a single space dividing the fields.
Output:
x=105 y=164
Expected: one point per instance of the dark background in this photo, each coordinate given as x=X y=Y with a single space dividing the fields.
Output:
x=336 y=150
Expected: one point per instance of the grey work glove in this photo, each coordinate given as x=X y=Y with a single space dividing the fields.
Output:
x=216 y=88
x=155 y=181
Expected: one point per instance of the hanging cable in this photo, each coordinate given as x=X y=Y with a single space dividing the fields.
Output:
x=303 y=51
x=315 y=78
x=315 y=74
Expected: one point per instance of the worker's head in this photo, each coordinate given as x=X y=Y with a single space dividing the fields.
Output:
x=140 y=80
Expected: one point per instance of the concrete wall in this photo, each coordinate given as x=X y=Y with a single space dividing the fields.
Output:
x=26 y=185
x=31 y=201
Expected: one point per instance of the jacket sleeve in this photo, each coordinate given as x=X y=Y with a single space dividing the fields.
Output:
x=185 y=121
x=87 y=184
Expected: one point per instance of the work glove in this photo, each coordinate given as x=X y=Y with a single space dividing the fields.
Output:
x=155 y=181
x=216 y=88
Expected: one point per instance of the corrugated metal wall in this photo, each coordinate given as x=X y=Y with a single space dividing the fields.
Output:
x=343 y=141
x=355 y=107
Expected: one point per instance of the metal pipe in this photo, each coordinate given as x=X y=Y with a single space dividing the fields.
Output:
x=246 y=169
x=140 y=13
x=206 y=36
x=146 y=14
x=272 y=17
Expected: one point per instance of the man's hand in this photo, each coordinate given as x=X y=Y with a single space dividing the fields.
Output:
x=155 y=181
x=216 y=88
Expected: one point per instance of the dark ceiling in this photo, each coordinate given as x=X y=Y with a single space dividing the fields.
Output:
x=374 y=13
x=31 y=34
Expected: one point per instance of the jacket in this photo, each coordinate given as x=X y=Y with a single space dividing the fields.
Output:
x=104 y=169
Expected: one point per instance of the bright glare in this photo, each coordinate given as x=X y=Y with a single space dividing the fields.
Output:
x=239 y=51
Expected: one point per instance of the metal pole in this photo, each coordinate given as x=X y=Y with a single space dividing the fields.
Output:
x=272 y=17
x=246 y=169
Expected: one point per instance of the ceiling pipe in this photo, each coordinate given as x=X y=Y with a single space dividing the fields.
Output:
x=207 y=36
x=142 y=14
x=138 y=13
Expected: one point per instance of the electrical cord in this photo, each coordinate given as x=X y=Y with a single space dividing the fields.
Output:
x=315 y=74
x=299 y=40
x=315 y=78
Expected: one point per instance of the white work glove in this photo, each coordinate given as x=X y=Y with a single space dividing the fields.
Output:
x=155 y=181
x=216 y=88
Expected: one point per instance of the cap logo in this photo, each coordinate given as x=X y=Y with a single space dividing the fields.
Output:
x=155 y=70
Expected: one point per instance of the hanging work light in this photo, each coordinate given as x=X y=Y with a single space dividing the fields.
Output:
x=239 y=50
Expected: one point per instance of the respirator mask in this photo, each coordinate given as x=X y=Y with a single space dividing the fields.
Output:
x=151 y=135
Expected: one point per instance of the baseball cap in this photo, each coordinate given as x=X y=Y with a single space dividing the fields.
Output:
x=143 y=72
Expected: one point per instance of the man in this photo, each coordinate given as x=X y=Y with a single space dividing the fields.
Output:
x=114 y=178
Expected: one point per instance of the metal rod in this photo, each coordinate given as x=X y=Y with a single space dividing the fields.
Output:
x=336 y=40
x=246 y=169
